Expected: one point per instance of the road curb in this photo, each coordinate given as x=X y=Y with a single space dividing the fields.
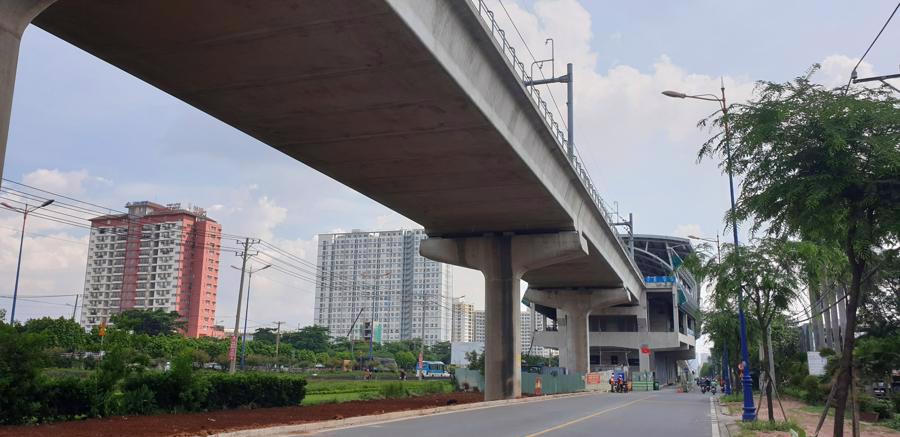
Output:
x=721 y=418
x=284 y=430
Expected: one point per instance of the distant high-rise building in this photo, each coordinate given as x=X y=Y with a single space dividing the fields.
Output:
x=478 y=326
x=526 y=330
x=154 y=257
x=357 y=269
x=463 y=322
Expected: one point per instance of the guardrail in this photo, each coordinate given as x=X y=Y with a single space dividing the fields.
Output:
x=487 y=16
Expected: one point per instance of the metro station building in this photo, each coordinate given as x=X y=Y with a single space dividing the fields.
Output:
x=655 y=334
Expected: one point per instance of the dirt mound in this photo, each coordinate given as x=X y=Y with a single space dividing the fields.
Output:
x=231 y=420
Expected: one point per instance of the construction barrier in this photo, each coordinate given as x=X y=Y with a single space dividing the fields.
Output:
x=551 y=383
x=598 y=381
x=469 y=380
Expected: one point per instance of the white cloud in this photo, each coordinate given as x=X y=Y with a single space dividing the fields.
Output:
x=836 y=70
x=62 y=182
x=52 y=264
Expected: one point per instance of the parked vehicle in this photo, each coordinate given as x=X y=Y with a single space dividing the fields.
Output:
x=432 y=369
x=881 y=390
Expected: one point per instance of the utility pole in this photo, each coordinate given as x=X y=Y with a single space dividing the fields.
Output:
x=374 y=296
x=232 y=355
x=250 y=273
x=570 y=105
x=75 y=308
x=277 y=340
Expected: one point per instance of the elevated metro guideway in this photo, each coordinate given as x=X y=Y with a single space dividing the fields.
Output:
x=417 y=104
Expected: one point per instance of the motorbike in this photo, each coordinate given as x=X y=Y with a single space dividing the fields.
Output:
x=704 y=389
x=713 y=390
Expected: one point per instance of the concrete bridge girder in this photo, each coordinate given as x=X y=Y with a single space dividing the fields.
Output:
x=576 y=306
x=15 y=15
x=503 y=259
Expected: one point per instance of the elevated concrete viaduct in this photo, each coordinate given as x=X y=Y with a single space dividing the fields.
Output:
x=417 y=104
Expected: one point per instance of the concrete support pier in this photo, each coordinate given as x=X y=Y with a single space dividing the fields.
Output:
x=15 y=15
x=575 y=306
x=503 y=259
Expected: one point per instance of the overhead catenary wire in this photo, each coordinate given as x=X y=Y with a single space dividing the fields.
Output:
x=872 y=44
x=562 y=119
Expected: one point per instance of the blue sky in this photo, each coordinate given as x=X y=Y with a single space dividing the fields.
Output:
x=86 y=129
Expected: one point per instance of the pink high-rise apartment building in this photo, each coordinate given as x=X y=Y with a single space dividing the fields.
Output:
x=154 y=257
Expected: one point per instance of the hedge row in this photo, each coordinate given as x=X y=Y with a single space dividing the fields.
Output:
x=69 y=398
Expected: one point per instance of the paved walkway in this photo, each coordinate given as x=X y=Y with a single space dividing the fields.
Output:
x=636 y=414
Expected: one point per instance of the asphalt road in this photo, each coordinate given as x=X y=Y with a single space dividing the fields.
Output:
x=661 y=413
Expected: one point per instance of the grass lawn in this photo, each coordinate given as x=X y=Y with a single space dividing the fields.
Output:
x=319 y=391
x=332 y=398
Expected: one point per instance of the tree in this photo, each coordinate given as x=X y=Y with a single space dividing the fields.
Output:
x=150 y=322
x=440 y=351
x=476 y=361
x=59 y=333
x=821 y=165
x=266 y=335
x=314 y=338
x=767 y=278
x=880 y=306
x=405 y=359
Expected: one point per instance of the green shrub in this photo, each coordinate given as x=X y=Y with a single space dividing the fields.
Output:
x=394 y=390
x=65 y=398
x=893 y=423
x=735 y=396
x=254 y=390
x=139 y=400
x=794 y=392
x=21 y=358
x=815 y=392
x=761 y=425
x=883 y=407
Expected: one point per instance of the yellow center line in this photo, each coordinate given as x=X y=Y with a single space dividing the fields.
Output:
x=589 y=416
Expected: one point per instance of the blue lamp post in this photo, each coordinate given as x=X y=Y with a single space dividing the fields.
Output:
x=25 y=211
x=747 y=382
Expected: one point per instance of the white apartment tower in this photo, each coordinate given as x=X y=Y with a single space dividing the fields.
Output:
x=463 y=322
x=478 y=325
x=360 y=273
x=526 y=331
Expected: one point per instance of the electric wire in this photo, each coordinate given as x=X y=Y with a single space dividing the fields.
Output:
x=873 y=43
x=534 y=59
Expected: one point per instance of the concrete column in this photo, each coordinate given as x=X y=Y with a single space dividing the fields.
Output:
x=577 y=305
x=577 y=358
x=15 y=15
x=644 y=361
x=503 y=259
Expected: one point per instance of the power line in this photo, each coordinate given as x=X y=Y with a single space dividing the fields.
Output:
x=853 y=72
x=63 y=196
x=81 y=243
x=533 y=58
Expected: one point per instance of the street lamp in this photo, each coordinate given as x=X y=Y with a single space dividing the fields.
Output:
x=710 y=240
x=749 y=411
x=250 y=273
x=24 y=211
